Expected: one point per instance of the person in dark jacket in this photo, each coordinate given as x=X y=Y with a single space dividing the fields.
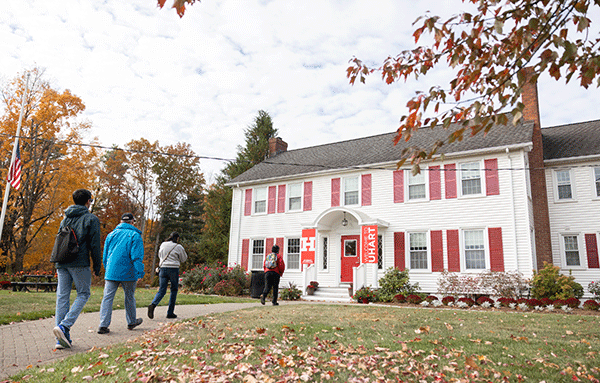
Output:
x=87 y=228
x=123 y=260
x=272 y=277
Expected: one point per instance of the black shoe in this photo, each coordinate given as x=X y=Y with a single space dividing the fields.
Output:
x=171 y=316
x=275 y=304
x=151 y=311
x=262 y=299
x=103 y=330
x=137 y=322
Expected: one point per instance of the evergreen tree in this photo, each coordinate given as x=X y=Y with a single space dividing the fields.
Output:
x=217 y=216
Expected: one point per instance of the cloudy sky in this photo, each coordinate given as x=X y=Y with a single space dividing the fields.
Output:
x=144 y=72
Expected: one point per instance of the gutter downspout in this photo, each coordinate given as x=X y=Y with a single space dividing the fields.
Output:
x=514 y=214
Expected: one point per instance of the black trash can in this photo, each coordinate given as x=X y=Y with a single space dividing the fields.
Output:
x=257 y=283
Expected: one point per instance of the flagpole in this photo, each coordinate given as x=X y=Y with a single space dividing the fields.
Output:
x=14 y=154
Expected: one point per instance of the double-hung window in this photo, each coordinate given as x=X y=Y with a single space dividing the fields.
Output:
x=418 y=251
x=260 y=200
x=470 y=178
x=293 y=253
x=571 y=249
x=597 y=181
x=351 y=191
x=416 y=186
x=563 y=184
x=258 y=253
x=295 y=197
x=474 y=250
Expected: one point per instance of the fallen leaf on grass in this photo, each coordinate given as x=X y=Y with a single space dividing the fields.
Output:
x=471 y=362
x=260 y=330
x=449 y=326
x=423 y=329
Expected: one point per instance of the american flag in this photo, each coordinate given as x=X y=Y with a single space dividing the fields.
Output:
x=14 y=173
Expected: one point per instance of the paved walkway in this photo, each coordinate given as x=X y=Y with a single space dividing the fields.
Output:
x=32 y=343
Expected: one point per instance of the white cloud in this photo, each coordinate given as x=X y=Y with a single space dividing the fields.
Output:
x=144 y=72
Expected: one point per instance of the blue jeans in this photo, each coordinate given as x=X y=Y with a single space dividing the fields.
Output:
x=110 y=289
x=82 y=278
x=166 y=275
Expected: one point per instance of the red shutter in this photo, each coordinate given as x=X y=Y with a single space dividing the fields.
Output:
x=453 y=250
x=335 y=192
x=450 y=180
x=496 y=249
x=366 y=190
x=492 y=186
x=398 y=186
x=272 y=199
x=245 y=251
x=437 y=251
x=308 y=196
x=592 y=251
x=281 y=199
x=248 y=202
x=269 y=245
x=399 y=255
x=435 y=183
x=279 y=242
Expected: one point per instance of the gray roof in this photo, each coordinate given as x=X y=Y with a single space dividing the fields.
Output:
x=572 y=140
x=379 y=149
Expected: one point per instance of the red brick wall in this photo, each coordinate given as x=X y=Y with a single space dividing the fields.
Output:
x=541 y=219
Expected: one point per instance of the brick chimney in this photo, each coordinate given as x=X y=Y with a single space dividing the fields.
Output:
x=539 y=195
x=276 y=146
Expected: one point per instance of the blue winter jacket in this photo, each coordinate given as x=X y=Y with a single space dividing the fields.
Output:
x=123 y=256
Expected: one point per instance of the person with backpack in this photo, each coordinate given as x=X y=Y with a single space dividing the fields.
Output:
x=123 y=265
x=86 y=227
x=274 y=268
x=170 y=255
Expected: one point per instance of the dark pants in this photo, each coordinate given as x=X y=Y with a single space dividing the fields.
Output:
x=166 y=275
x=272 y=281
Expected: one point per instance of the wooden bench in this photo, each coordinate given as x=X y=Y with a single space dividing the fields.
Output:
x=25 y=286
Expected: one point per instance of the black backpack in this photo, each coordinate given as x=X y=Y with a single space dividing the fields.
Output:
x=66 y=247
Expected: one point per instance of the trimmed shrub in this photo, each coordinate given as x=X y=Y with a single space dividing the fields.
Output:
x=395 y=282
x=203 y=278
x=400 y=298
x=550 y=283
x=447 y=300
x=290 y=293
x=573 y=302
x=414 y=299
x=482 y=300
x=431 y=298
x=228 y=287
x=591 y=304
x=594 y=288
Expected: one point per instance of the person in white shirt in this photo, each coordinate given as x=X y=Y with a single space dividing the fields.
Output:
x=171 y=255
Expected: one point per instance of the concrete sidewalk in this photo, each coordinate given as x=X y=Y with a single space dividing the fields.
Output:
x=32 y=343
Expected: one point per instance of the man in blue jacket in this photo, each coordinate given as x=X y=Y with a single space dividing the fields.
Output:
x=77 y=272
x=123 y=260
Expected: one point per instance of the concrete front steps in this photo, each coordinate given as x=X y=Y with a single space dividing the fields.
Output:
x=329 y=294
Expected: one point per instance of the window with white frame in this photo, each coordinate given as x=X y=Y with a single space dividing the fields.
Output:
x=260 y=200
x=258 y=253
x=351 y=191
x=295 y=197
x=416 y=186
x=563 y=184
x=571 y=250
x=474 y=249
x=597 y=180
x=470 y=178
x=293 y=253
x=418 y=251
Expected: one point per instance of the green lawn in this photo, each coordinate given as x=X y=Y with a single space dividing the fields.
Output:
x=19 y=306
x=348 y=343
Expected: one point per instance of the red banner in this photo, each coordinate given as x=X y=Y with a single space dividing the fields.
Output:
x=370 y=244
x=308 y=246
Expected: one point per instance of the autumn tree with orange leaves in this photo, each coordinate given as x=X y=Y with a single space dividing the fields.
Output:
x=488 y=49
x=52 y=167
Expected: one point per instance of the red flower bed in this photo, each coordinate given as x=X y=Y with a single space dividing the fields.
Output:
x=414 y=299
x=447 y=300
x=482 y=300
